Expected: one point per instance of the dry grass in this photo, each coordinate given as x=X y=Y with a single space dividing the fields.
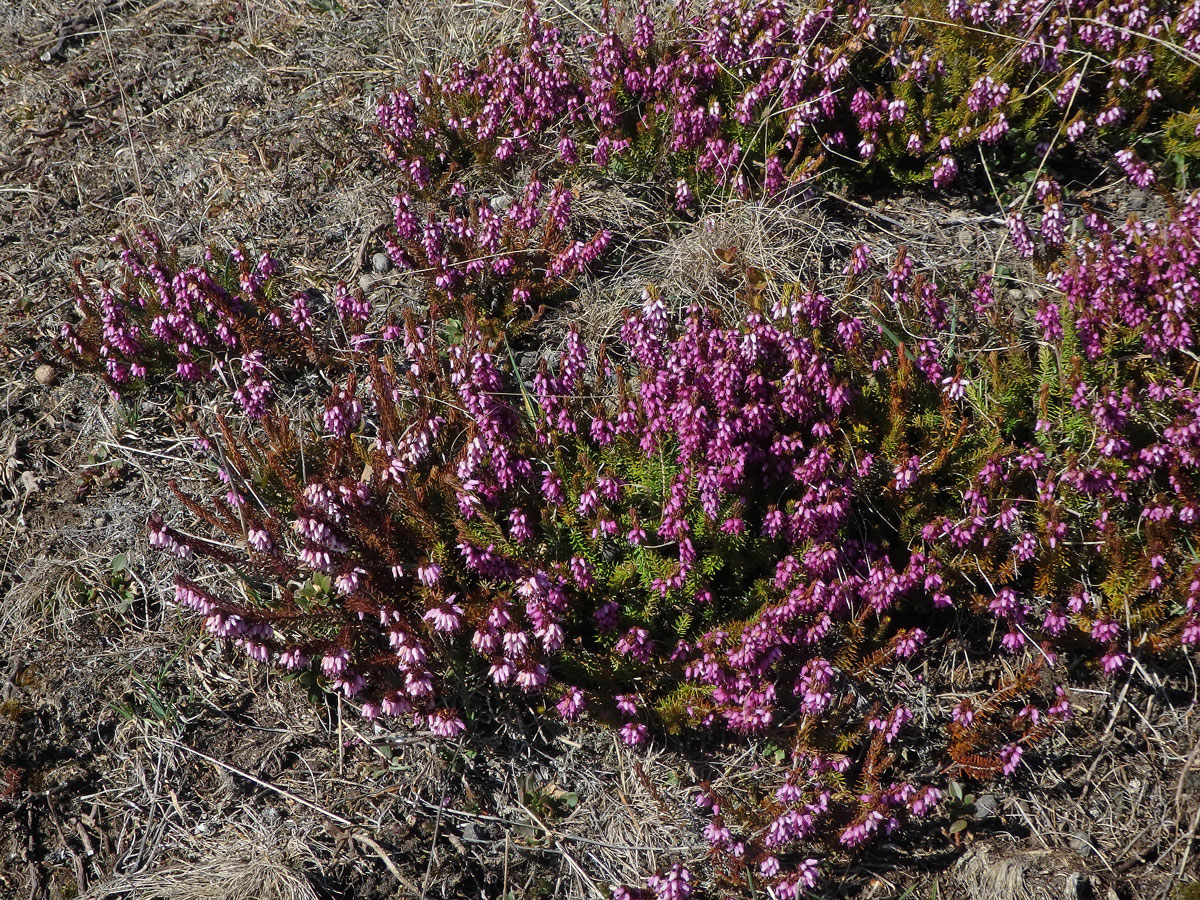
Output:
x=260 y=863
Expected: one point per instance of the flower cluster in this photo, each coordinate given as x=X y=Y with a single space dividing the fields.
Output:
x=193 y=324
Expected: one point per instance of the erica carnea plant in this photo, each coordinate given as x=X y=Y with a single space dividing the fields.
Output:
x=740 y=528
x=748 y=516
x=758 y=97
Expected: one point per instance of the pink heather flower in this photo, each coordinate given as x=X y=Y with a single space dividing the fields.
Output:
x=626 y=704
x=1019 y=232
x=925 y=801
x=333 y=664
x=588 y=501
x=1191 y=632
x=348 y=582
x=1105 y=630
x=852 y=836
x=892 y=725
x=394 y=705
x=532 y=677
x=516 y=643
x=1011 y=757
x=1062 y=706
x=410 y=652
x=501 y=672
x=906 y=473
x=316 y=559
x=1055 y=622
x=683 y=195
x=607 y=616
x=636 y=644
x=717 y=834
x=350 y=683
x=1140 y=174
x=418 y=684
x=946 y=169
x=634 y=734
x=571 y=704
x=581 y=572
x=445 y=617
x=292 y=659
x=429 y=574
x=955 y=387
x=909 y=642
x=807 y=872
x=963 y=713
x=1113 y=661
x=552 y=637
x=1013 y=641
x=860 y=259
x=445 y=724
x=256 y=651
x=675 y=885
x=259 y=539
x=566 y=150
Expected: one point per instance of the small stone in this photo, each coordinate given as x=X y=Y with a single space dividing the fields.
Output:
x=365 y=282
x=985 y=806
x=381 y=263
x=1081 y=842
x=45 y=374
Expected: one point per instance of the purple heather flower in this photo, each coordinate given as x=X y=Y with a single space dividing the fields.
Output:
x=571 y=704
x=633 y=733
x=445 y=724
x=1010 y=756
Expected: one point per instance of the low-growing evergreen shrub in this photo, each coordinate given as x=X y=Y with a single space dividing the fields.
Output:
x=723 y=526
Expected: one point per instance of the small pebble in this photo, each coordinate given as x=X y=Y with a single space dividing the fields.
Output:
x=985 y=806
x=45 y=374
x=380 y=263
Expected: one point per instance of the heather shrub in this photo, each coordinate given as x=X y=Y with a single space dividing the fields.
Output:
x=743 y=528
x=191 y=323
x=750 y=516
x=758 y=97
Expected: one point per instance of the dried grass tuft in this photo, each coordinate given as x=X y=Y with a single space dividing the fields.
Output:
x=791 y=240
x=255 y=864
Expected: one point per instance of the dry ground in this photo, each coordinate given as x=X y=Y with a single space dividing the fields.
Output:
x=140 y=760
